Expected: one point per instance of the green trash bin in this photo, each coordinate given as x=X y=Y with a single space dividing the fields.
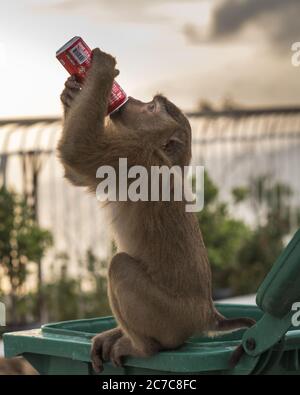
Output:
x=272 y=346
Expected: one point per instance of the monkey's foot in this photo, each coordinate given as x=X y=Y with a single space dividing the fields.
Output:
x=101 y=347
x=121 y=348
x=124 y=347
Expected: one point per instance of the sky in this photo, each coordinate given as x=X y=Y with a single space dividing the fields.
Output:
x=190 y=50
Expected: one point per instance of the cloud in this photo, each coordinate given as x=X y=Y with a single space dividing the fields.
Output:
x=138 y=11
x=278 y=21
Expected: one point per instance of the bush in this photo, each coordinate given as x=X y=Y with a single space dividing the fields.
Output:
x=22 y=241
x=241 y=256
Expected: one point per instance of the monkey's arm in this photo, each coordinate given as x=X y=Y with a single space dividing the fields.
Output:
x=81 y=145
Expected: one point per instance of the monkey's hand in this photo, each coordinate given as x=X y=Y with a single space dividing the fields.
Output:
x=71 y=91
x=103 y=67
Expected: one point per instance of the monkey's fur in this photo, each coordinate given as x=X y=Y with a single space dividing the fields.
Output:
x=159 y=284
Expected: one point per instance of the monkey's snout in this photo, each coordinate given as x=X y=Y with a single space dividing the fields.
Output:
x=117 y=115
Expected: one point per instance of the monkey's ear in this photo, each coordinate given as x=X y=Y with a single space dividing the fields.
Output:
x=174 y=145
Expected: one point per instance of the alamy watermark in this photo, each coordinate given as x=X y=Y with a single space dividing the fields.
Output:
x=296 y=315
x=159 y=183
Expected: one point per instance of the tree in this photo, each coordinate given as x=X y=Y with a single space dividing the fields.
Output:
x=82 y=297
x=270 y=202
x=223 y=235
x=22 y=241
x=240 y=255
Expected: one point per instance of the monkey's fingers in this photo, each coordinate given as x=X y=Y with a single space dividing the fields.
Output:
x=97 y=363
x=66 y=99
x=116 y=355
x=73 y=84
x=72 y=93
x=96 y=357
x=102 y=58
x=96 y=52
x=116 y=359
x=63 y=98
x=107 y=347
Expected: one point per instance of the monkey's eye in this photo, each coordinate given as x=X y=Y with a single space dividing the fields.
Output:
x=151 y=107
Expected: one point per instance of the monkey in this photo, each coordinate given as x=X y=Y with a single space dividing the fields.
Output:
x=159 y=281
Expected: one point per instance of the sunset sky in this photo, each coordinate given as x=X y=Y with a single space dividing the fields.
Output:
x=189 y=50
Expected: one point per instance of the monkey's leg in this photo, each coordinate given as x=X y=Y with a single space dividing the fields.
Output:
x=101 y=347
x=145 y=312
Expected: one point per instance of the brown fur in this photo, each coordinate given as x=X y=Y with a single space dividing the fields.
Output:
x=160 y=281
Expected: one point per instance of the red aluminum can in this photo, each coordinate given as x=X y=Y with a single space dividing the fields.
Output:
x=76 y=57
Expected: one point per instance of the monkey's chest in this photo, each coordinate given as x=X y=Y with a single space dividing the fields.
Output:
x=124 y=223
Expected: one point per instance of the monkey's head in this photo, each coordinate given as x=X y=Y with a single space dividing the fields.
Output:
x=168 y=129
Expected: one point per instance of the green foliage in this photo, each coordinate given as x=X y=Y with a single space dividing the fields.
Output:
x=270 y=202
x=223 y=235
x=65 y=297
x=61 y=296
x=22 y=241
x=239 y=194
x=95 y=300
x=81 y=297
x=241 y=256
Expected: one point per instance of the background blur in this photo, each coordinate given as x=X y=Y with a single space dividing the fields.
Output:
x=190 y=50
x=226 y=63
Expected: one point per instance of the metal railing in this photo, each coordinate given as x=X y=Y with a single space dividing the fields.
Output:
x=233 y=145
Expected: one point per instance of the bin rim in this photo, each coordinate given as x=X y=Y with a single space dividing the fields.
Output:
x=198 y=354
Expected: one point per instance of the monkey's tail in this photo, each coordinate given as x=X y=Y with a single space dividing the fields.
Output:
x=232 y=324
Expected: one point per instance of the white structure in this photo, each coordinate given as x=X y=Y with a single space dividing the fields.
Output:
x=233 y=146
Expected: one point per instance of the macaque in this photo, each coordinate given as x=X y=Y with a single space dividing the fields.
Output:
x=159 y=283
